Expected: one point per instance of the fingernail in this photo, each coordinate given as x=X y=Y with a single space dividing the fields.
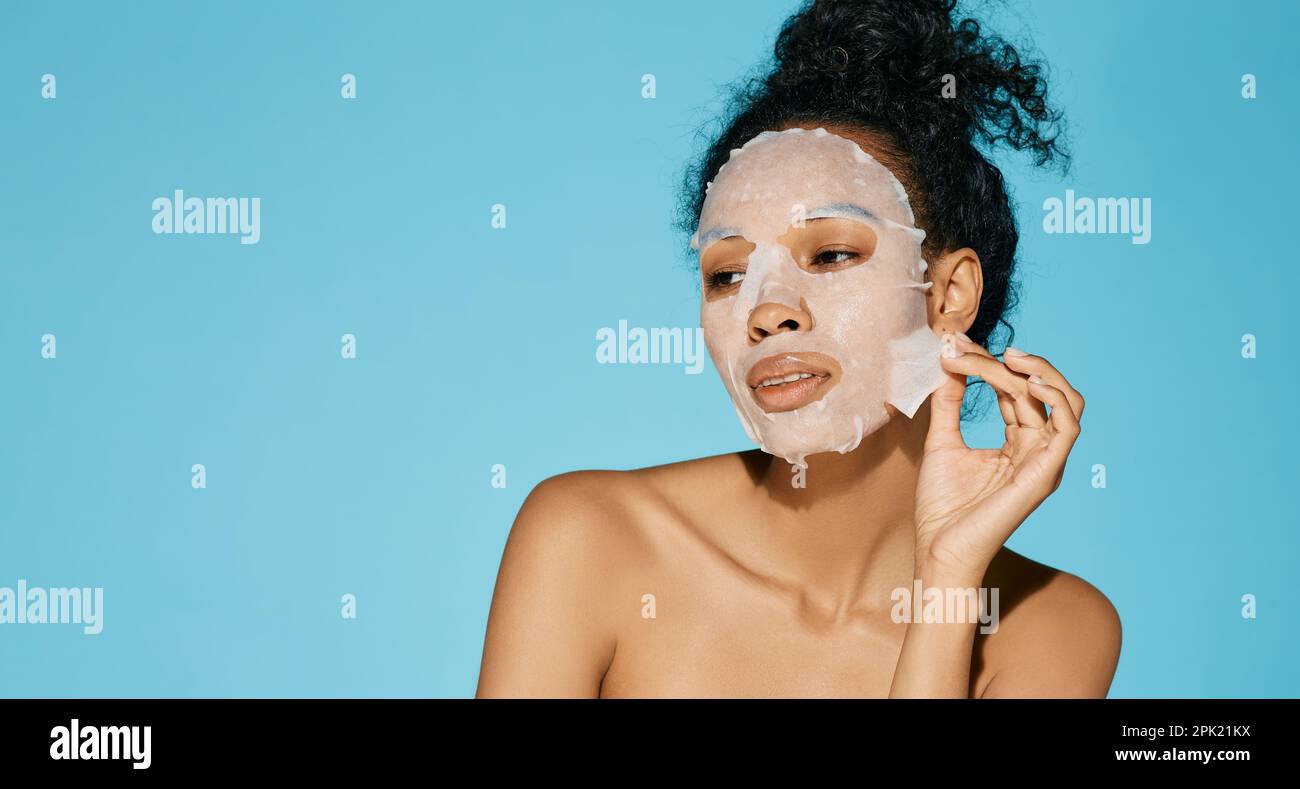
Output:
x=1013 y=352
x=1035 y=379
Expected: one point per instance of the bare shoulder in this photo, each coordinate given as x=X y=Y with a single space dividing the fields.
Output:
x=547 y=635
x=592 y=507
x=620 y=516
x=576 y=501
x=577 y=525
x=612 y=504
x=571 y=560
x=1058 y=635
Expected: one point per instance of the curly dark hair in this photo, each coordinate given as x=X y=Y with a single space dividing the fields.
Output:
x=879 y=67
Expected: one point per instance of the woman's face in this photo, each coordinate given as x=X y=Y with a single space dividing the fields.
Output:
x=813 y=303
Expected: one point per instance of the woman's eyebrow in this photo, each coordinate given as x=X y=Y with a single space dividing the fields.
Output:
x=709 y=236
x=848 y=210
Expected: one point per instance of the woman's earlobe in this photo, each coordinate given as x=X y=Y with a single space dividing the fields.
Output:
x=963 y=284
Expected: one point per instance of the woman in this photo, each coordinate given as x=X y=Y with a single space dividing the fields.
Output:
x=845 y=338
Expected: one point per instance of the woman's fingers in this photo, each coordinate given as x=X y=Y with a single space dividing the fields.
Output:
x=1008 y=408
x=945 y=409
x=1005 y=402
x=1029 y=364
x=1039 y=406
x=1065 y=425
x=1028 y=411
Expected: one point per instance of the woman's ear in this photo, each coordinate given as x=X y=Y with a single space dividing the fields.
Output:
x=953 y=300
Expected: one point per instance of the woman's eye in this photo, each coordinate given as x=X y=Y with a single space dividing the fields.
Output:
x=725 y=279
x=831 y=258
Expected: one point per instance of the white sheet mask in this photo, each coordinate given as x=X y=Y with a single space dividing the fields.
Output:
x=869 y=317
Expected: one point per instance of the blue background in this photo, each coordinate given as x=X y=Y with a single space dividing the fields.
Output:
x=477 y=346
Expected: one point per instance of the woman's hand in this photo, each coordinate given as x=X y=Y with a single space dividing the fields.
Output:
x=969 y=501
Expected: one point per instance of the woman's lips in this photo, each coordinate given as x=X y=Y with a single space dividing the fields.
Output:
x=792 y=380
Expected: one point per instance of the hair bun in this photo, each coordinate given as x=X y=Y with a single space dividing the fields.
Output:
x=894 y=59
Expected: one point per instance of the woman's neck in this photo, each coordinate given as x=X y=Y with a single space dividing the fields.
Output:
x=843 y=531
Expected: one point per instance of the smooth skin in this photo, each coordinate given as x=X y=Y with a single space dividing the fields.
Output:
x=717 y=577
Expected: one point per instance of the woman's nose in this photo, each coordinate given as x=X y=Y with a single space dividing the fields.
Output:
x=772 y=318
